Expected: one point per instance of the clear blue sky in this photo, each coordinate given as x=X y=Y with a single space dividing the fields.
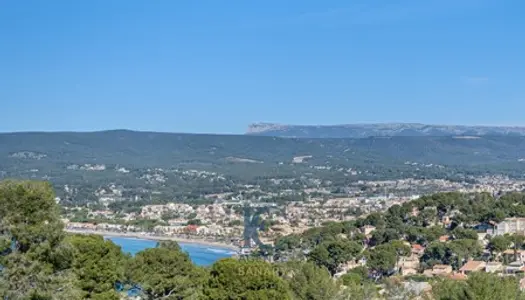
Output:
x=216 y=66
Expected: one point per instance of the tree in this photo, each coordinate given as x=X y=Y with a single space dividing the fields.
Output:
x=517 y=240
x=169 y=245
x=447 y=289
x=378 y=237
x=356 y=275
x=436 y=252
x=454 y=253
x=459 y=251
x=499 y=244
x=399 y=247
x=374 y=219
x=431 y=234
x=395 y=290
x=24 y=278
x=232 y=279
x=98 y=264
x=30 y=215
x=359 y=291
x=350 y=279
x=166 y=272
x=332 y=254
x=462 y=233
x=287 y=243
x=197 y=222
x=479 y=286
x=381 y=260
x=427 y=217
x=308 y=281
x=35 y=259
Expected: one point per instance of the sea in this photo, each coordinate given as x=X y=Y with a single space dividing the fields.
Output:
x=201 y=255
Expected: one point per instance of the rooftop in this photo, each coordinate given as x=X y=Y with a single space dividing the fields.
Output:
x=417 y=247
x=472 y=265
x=440 y=267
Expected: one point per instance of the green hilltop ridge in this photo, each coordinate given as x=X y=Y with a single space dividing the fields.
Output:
x=153 y=149
x=85 y=161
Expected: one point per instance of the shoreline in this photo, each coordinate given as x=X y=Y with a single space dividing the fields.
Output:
x=155 y=238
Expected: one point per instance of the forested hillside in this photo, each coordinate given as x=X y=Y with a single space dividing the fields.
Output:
x=149 y=149
x=188 y=166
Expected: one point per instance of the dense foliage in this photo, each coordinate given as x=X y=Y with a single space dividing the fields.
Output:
x=164 y=150
x=479 y=286
x=36 y=263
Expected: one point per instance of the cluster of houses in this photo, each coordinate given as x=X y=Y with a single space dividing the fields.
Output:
x=409 y=265
x=509 y=262
x=175 y=230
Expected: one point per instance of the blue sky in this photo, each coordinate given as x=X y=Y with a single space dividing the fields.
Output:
x=216 y=66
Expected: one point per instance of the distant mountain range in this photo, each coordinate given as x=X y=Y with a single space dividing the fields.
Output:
x=379 y=129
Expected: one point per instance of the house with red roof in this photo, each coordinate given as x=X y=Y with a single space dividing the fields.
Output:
x=418 y=250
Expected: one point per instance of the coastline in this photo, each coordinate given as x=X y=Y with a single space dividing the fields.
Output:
x=155 y=238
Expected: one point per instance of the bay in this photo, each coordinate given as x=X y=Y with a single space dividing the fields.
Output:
x=201 y=255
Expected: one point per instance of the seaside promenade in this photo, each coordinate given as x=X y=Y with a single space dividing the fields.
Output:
x=155 y=238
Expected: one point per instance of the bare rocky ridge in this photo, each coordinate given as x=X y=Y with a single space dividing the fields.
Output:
x=379 y=129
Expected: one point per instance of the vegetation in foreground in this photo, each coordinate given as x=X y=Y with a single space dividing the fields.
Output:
x=40 y=261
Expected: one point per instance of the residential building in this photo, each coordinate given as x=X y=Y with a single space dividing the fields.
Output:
x=438 y=270
x=418 y=250
x=411 y=262
x=514 y=255
x=515 y=267
x=493 y=267
x=510 y=225
x=472 y=266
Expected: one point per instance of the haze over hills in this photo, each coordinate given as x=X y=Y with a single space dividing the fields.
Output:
x=379 y=129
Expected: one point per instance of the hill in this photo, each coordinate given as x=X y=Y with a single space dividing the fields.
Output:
x=192 y=165
x=380 y=129
x=153 y=149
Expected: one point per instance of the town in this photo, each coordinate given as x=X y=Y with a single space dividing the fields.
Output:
x=222 y=221
x=222 y=218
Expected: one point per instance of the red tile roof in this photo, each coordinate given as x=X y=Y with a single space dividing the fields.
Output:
x=443 y=238
x=417 y=247
x=192 y=227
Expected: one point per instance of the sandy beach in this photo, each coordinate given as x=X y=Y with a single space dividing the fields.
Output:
x=155 y=238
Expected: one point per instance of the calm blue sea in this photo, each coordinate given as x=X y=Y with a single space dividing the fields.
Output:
x=201 y=255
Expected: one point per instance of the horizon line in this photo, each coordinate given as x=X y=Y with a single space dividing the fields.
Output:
x=389 y=123
x=247 y=130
